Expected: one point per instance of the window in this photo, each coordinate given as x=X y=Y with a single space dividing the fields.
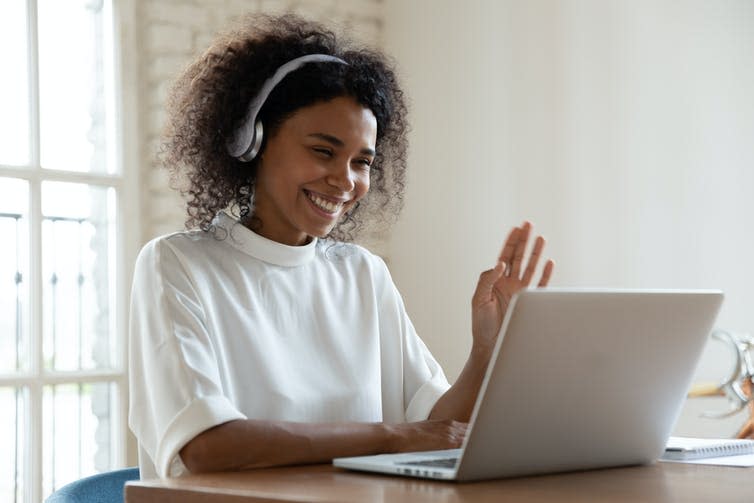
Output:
x=62 y=293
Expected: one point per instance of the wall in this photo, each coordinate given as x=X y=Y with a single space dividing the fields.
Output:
x=622 y=129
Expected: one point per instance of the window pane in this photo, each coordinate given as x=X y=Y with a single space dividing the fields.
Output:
x=12 y=443
x=14 y=94
x=78 y=421
x=78 y=257
x=14 y=264
x=73 y=55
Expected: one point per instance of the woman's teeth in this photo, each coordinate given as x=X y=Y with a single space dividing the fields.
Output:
x=324 y=205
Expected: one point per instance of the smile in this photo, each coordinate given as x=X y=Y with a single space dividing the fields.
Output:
x=323 y=204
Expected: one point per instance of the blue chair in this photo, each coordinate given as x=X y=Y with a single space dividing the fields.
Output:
x=101 y=488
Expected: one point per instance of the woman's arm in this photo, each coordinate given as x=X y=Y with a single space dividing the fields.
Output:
x=247 y=443
x=493 y=294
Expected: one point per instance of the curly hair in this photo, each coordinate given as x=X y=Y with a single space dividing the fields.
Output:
x=211 y=97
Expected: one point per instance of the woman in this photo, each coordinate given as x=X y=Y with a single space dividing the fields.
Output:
x=263 y=338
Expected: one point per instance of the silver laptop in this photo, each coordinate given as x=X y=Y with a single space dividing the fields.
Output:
x=579 y=379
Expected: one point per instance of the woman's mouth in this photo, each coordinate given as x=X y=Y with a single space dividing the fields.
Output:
x=324 y=204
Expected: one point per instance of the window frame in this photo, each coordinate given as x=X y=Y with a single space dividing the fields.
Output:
x=125 y=183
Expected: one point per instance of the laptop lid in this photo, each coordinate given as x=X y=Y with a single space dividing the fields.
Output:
x=586 y=379
x=579 y=379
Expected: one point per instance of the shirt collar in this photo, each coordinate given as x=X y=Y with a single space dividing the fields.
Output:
x=249 y=242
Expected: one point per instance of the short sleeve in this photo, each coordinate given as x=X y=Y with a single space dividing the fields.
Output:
x=423 y=381
x=175 y=387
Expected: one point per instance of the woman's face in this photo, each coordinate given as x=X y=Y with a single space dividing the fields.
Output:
x=314 y=169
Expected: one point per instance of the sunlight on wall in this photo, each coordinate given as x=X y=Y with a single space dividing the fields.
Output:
x=622 y=129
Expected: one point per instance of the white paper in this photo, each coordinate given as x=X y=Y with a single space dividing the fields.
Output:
x=741 y=460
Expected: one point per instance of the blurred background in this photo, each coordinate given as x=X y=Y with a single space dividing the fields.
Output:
x=622 y=129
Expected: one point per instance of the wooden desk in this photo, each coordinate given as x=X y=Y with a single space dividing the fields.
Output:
x=661 y=482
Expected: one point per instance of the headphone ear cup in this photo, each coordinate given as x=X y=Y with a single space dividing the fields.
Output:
x=256 y=143
x=237 y=144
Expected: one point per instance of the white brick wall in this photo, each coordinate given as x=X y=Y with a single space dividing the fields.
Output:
x=171 y=33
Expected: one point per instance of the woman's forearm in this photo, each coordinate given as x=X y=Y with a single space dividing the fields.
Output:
x=243 y=444
x=247 y=443
x=458 y=402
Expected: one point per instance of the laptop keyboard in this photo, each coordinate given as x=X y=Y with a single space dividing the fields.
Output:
x=442 y=463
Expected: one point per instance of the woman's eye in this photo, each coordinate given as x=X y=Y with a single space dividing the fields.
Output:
x=367 y=163
x=323 y=151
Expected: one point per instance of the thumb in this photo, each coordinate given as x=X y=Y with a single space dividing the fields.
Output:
x=486 y=282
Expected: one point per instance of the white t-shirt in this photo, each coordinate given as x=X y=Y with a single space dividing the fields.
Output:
x=245 y=327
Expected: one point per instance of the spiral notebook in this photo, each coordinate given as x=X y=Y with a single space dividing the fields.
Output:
x=687 y=448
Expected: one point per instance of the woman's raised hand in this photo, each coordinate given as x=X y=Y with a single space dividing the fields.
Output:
x=513 y=272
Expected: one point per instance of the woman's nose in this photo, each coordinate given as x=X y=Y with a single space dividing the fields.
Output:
x=342 y=177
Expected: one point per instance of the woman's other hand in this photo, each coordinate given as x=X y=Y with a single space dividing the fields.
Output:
x=513 y=272
x=430 y=435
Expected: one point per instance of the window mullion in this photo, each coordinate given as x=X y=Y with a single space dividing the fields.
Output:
x=36 y=327
x=121 y=343
x=125 y=87
x=35 y=440
x=33 y=68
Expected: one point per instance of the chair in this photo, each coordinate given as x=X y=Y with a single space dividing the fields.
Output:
x=101 y=488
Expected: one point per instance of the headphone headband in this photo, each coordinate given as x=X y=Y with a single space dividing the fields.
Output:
x=247 y=138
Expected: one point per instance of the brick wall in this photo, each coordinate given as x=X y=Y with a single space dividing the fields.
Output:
x=171 y=33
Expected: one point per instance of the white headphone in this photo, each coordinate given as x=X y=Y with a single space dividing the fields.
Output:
x=247 y=139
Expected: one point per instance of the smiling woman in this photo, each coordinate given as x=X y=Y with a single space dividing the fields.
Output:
x=263 y=337
x=211 y=102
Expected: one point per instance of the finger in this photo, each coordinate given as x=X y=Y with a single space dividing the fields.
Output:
x=746 y=432
x=518 y=254
x=506 y=254
x=546 y=273
x=531 y=266
x=486 y=282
